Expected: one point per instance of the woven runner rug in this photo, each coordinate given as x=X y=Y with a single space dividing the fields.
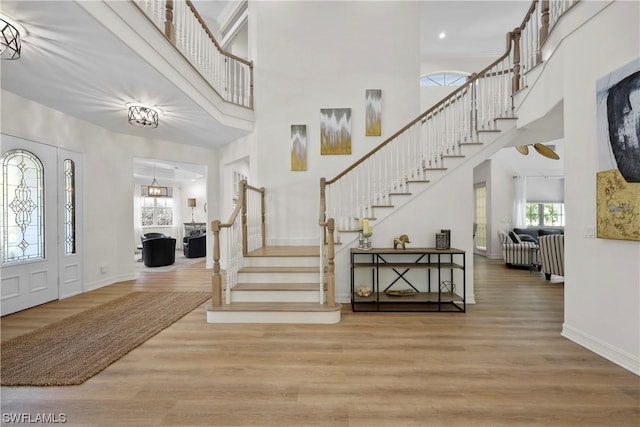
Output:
x=74 y=349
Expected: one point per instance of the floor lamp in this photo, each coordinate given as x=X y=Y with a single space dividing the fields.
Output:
x=192 y=204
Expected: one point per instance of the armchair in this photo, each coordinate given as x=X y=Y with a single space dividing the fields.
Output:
x=552 y=254
x=159 y=251
x=518 y=253
x=195 y=246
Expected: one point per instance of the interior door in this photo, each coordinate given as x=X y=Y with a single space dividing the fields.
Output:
x=29 y=225
x=70 y=223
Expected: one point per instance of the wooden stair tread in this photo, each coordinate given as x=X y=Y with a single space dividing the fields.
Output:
x=275 y=287
x=275 y=306
x=285 y=251
x=279 y=269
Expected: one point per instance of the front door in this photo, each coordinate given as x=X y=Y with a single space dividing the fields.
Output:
x=29 y=244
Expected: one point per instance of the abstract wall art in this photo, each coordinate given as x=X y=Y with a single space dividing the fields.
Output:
x=298 y=147
x=335 y=131
x=373 y=109
x=618 y=179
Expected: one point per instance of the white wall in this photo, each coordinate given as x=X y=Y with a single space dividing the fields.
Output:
x=313 y=55
x=109 y=183
x=602 y=277
x=430 y=95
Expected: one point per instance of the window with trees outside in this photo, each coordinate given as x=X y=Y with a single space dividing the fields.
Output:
x=545 y=214
x=157 y=211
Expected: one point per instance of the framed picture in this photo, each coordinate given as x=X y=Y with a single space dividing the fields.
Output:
x=373 y=109
x=335 y=131
x=298 y=147
x=618 y=179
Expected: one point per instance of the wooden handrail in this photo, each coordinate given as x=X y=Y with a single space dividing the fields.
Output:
x=213 y=39
x=422 y=116
x=217 y=226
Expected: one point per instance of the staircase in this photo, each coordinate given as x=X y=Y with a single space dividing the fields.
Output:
x=277 y=284
x=297 y=284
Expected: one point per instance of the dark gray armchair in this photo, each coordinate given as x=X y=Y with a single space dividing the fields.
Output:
x=158 y=251
x=195 y=246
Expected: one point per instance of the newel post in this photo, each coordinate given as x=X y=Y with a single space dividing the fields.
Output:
x=544 y=29
x=216 y=280
x=243 y=195
x=331 y=276
x=515 y=84
x=169 y=28
x=263 y=214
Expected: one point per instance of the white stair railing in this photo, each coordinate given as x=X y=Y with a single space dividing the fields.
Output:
x=441 y=131
x=422 y=145
x=229 y=75
x=244 y=232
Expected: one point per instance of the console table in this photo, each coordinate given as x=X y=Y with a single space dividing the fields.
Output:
x=194 y=228
x=412 y=279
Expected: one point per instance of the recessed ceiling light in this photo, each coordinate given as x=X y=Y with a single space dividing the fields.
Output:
x=442 y=35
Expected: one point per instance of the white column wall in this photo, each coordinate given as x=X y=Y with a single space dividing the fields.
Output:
x=602 y=276
x=109 y=182
x=313 y=55
x=602 y=297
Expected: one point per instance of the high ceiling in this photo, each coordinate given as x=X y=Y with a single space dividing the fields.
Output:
x=76 y=66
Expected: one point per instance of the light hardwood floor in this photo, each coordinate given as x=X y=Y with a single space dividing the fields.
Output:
x=503 y=363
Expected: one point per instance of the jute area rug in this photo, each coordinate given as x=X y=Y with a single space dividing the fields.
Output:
x=74 y=349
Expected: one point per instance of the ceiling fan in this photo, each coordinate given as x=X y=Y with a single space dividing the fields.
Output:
x=540 y=148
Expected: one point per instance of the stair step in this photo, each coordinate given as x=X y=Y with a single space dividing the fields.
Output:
x=285 y=251
x=274 y=312
x=279 y=287
x=279 y=269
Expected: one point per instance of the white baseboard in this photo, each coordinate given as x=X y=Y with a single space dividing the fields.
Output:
x=110 y=281
x=613 y=354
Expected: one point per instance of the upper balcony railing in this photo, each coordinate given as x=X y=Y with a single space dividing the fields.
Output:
x=229 y=75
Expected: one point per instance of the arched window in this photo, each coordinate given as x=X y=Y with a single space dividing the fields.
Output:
x=69 y=206
x=444 y=78
x=22 y=207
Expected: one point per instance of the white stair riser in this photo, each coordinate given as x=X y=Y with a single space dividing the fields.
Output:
x=281 y=261
x=275 y=296
x=278 y=277
x=306 y=317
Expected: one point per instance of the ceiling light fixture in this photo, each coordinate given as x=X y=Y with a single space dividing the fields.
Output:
x=442 y=35
x=10 y=44
x=143 y=115
x=155 y=189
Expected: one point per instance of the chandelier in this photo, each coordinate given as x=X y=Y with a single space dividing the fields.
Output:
x=10 y=44
x=143 y=115
x=155 y=189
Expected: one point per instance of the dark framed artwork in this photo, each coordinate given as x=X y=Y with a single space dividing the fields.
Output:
x=618 y=179
x=335 y=131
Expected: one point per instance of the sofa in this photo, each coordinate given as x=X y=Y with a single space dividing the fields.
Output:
x=518 y=253
x=195 y=246
x=158 y=251
x=552 y=254
x=536 y=232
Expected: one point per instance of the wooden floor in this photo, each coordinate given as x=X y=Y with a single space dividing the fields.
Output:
x=503 y=363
